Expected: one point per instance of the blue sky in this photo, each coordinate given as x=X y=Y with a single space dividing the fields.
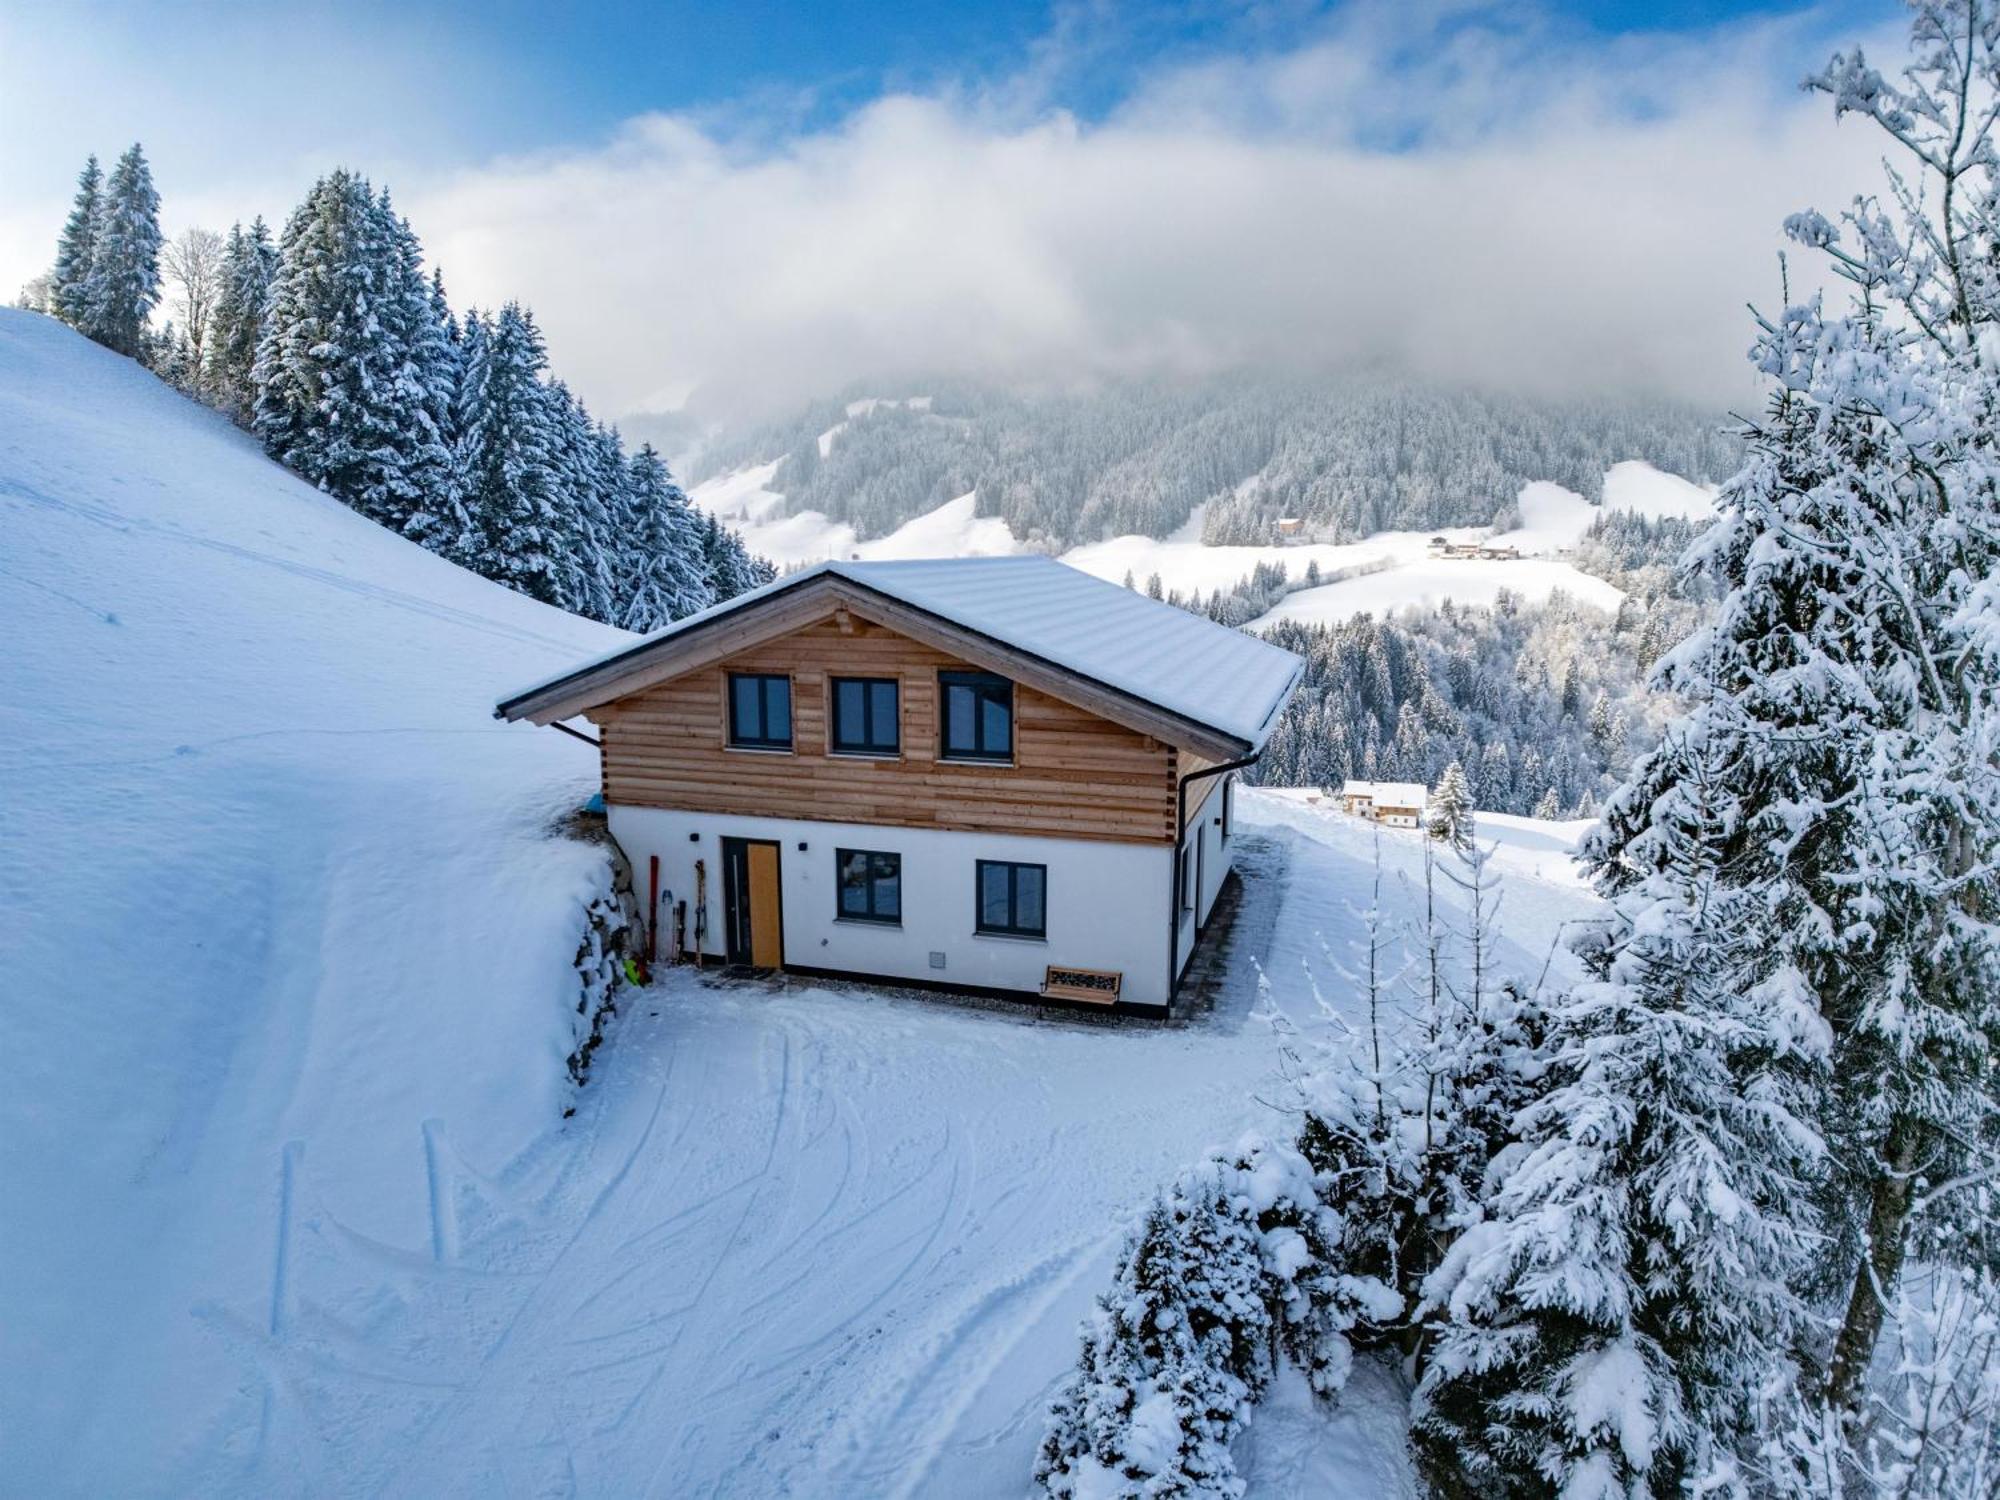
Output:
x=1092 y=187
x=455 y=78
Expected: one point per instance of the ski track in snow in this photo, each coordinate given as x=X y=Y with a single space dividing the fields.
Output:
x=810 y=1240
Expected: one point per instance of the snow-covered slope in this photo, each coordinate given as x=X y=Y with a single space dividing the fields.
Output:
x=1389 y=571
x=287 y=1205
x=269 y=873
x=746 y=501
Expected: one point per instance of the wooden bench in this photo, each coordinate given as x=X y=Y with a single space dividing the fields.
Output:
x=1090 y=986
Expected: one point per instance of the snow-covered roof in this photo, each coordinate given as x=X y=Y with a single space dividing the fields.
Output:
x=1387 y=793
x=1209 y=675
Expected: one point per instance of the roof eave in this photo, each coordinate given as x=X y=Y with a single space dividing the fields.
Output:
x=577 y=692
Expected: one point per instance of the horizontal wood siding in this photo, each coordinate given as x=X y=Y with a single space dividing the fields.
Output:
x=1186 y=763
x=1074 y=775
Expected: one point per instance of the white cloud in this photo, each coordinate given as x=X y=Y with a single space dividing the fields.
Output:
x=1577 y=216
x=1476 y=194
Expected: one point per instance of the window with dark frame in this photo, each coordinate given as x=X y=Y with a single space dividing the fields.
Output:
x=760 y=711
x=977 y=718
x=865 y=720
x=1228 y=806
x=1187 y=874
x=1012 y=899
x=869 y=885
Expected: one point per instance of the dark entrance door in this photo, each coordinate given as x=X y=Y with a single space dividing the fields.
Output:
x=751 y=913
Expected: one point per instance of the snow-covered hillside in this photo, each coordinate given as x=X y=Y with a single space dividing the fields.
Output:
x=285 y=944
x=269 y=873
x=1388 y=571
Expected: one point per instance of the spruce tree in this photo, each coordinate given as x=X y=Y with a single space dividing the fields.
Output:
x=249 y=263
x=584 y=493
x=1856 y=657
x=508 y=454
x=1631 y=1299
x=351 y=363
x=124 y=281
x=424 y=385
x=1231 y=1267
x=1450 y=814
x=76 y=248
x=665 y=578
x=441 y=521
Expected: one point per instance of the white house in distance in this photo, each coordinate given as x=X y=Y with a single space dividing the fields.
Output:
x=994 y=773
x=1399 y=804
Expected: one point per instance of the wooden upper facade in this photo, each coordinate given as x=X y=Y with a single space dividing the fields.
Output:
x=1071 y=773
x=890 y=705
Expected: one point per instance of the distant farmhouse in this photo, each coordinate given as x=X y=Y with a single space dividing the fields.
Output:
x=994 y=773
x=1444 y=546
x=1399 y=804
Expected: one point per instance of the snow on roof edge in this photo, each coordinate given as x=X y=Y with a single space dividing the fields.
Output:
x=1249 y=729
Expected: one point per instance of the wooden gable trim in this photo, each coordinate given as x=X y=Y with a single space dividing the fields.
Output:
x=784 y=611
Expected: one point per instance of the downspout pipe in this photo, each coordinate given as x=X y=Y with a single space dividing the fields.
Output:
x=1180 y=870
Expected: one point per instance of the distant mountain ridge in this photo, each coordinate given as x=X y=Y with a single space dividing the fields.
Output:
x=1349 y=455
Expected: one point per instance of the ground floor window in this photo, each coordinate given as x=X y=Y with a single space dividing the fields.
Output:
x=871 y=885
x=1013 y=899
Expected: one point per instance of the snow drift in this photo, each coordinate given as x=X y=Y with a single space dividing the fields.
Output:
x=269 y=873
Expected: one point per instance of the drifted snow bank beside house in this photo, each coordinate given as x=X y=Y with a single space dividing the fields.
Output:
x=265 y=846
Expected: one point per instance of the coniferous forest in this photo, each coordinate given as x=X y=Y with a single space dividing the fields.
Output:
x=335 y=346
x=1349 y=455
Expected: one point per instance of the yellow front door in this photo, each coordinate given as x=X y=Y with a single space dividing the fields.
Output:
x=766 y=946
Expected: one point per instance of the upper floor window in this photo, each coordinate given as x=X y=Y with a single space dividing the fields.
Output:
x=978 y=718
x=864 y=716
x=1013 y=899
x=760 y=711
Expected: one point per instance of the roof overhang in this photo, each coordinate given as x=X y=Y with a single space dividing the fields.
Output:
x=810 y=598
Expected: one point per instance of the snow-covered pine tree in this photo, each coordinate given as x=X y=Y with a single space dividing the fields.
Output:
x=665 y=577
x=124 y=281
x=249 y=262
x=583 y=507
x=1229 y=1269
x=1450 y=814
x=730 y=569
x=76 y=248
x=508 y=452
x=305 y=324
x=1629 y=1301
x=351 y=360
x=1548 y=807
x=423 y=386
x=442 y=522
x=1856 y=659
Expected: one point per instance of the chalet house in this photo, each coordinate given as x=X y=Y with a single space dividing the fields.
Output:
x=992 y=773
x=1398 y=804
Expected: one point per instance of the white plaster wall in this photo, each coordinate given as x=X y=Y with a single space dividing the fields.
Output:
x=1107 y=902
x=1217 y=855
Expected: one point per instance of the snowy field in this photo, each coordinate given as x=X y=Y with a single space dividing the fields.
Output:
x=1386 y=572
x=292 y=1206
x=809 y=1240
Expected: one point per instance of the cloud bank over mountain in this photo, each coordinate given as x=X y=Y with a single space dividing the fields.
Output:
x=1498 y=205
x=1499 y=196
